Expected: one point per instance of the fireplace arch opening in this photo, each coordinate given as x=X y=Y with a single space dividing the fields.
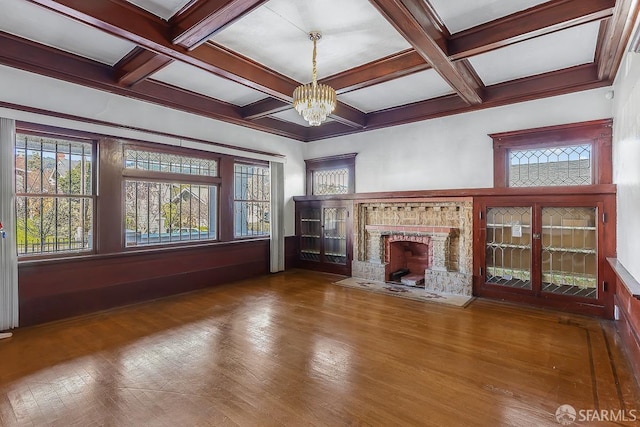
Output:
x=407 y=260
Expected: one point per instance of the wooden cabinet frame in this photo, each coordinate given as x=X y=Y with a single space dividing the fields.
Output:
x=606 y=229
x=323 y=263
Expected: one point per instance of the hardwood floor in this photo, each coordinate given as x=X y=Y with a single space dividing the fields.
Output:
x=293 y=349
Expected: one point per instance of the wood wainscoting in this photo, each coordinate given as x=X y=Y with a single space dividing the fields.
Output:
x=627 y=301
x=51 y=290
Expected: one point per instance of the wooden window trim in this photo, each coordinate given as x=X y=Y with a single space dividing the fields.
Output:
x=596 y=132
x=333 y=162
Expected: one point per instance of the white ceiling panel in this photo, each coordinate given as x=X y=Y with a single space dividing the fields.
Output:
x=41 y=25
x=165 y=9
x=551 y=52
x=196 y=80
x=276 y=35
x=412 y=88
x=460 y=15
x=293 y=117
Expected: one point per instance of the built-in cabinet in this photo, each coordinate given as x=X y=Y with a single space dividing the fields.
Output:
x=547 y=250
x=324 y=235
x=544 y=246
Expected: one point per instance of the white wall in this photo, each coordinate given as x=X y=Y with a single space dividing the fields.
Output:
x=32 y=90
x=454 y=151
x=626 y=161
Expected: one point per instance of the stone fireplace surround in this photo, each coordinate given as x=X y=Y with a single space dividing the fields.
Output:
x=443 y=225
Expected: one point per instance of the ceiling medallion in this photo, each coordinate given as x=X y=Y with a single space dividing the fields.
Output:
x=314 y=101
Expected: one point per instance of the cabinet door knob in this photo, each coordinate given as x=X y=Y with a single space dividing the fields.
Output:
x=536 y=236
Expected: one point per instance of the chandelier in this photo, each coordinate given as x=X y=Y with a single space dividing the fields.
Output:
x=314 y=101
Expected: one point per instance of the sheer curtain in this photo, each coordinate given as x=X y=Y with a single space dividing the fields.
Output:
x=277 y=216
x=8 y=255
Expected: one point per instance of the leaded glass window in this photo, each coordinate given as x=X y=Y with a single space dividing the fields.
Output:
x=571 y=165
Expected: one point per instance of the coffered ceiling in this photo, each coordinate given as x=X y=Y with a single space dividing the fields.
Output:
x=390 y=61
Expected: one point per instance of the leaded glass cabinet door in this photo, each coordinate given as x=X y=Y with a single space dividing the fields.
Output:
x=508 y=252
x=310 y=233
x=570 y=251
x=334 y=229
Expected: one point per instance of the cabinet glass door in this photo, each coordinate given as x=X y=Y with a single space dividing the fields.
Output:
x=310 y=234
x=335 y=235
x=569 y=251
x=508 y=247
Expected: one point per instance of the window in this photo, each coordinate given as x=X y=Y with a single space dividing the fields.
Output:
x=536 y=167
x=54 y=194
x=169 y=198
x=574 y=154
x=251 y=200
x=331 y=175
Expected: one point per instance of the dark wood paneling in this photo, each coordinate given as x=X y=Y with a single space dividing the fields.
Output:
x=109 y=219
x=290 y=252
x=50 y=290
x=628 y=328
x=531 y=192
x=226 y=200
x=627 y=300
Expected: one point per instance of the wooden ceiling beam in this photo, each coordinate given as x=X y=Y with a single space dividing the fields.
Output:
x=573 y=79
x=138 y=65
x=343 y=113
x=379 y=71
x=417 y=24
x=329 y=130
x=349 y=116
x=543 y=19
x=152 y=33
x=36 y=58
x=200 y=22
x=264 y=107
x=613 y=41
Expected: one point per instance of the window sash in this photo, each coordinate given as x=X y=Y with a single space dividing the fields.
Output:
x=54 y=180
x=251 y=200
x=158 y=213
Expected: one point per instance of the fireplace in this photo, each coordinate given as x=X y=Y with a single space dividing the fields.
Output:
x=407 y=259
x=395 y=236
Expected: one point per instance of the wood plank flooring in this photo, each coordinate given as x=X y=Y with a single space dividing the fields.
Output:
x=294 y=349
